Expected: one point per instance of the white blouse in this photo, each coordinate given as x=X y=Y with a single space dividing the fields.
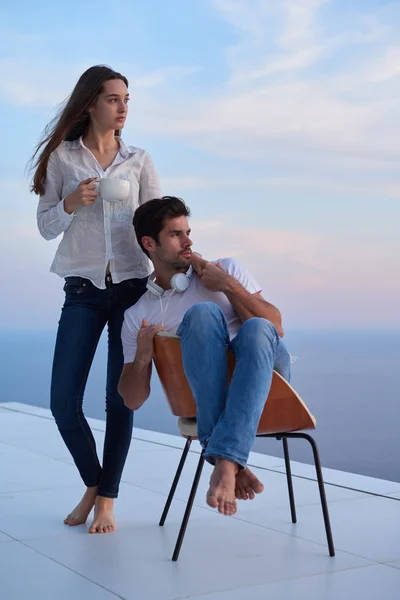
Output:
x=102 y=232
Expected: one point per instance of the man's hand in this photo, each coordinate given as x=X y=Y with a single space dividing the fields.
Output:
x=145 y=342
x=197 y=262
x=213 y=276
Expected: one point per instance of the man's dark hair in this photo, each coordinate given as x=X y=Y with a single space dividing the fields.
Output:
x=149 y=219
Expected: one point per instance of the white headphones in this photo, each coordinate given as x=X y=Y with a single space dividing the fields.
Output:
x=179 y=283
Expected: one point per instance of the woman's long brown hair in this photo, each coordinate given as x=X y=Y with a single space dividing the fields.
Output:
x=72 y=121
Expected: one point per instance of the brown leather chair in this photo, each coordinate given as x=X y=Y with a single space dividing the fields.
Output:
x=284 y=415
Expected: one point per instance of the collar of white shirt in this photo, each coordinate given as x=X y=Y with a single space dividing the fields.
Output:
x=124 y=150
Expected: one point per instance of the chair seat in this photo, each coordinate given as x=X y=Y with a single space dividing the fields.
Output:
x=187 y=427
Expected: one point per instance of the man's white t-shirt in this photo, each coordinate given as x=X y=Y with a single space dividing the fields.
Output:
x=176 y=304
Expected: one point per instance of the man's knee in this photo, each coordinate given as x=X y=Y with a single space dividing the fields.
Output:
x=203 y=313
x=259 y=330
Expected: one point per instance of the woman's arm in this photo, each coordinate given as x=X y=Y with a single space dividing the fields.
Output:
x=149 y=184
x=52 y=219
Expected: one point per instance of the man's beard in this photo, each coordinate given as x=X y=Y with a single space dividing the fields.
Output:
x=178 y=265
x=175 y=265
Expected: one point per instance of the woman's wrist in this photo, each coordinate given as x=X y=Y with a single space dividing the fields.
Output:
x=67 y=206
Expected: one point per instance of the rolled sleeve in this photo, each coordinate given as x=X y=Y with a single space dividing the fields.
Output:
x=65 y=218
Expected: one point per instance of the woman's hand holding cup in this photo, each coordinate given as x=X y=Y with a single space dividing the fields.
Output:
x=85 y=194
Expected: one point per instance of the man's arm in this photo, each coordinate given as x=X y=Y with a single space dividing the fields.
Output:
x=251 y=305
x=247 y=305
x=134 y=383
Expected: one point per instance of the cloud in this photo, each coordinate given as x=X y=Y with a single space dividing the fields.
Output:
x=23 y=83
x=316 y=279
x=344 y=187
x=297 y=43
x=330 y=261
x=164 y=76
x=300 y=86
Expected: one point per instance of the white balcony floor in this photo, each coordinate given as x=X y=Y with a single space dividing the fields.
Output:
x=256 y=554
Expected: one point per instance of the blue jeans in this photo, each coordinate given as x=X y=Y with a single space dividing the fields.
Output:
x=228 y=415
x=86 y=311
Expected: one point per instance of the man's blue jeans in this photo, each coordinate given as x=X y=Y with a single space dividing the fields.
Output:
x=228 y=415
x=85 y=313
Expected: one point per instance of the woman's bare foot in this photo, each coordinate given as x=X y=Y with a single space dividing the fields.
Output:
x=81 y=512
x=103 y=521
x=221 y=493
x=247 y=485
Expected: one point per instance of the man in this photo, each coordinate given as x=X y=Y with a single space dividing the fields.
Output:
x=211 y=306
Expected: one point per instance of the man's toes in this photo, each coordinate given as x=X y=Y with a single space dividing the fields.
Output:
x=231 y=509
x=250 y=493
x=221 y=508
x=212 y=501
x=258 y=487
x=243 y=494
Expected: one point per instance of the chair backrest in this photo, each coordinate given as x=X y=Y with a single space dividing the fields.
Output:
x=284 y=410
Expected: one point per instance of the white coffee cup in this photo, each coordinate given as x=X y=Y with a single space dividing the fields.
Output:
x=114 y=190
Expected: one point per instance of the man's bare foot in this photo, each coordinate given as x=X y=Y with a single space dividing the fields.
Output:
x=247 y=485
x=103 y=521
x=221 y=493
x=81 y=512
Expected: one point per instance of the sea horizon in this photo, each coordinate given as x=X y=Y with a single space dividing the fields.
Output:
x=346 y=377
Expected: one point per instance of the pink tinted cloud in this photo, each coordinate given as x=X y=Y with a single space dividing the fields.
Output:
x=317 y=279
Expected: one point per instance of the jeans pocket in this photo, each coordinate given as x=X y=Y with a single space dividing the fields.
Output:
x=75 y=285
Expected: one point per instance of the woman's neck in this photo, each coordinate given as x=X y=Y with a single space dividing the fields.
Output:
x=100 y=141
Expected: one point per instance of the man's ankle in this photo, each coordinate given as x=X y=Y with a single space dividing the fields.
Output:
x=227 y=465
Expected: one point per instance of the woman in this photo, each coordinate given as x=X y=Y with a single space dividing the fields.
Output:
x=104 y=269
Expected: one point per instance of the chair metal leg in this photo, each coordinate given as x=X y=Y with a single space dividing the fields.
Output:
x=175 y=481
x=289 y=480
x=321 y=487
x=188 y=507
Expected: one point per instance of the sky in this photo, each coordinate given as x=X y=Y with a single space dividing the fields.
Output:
x=276 y=120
